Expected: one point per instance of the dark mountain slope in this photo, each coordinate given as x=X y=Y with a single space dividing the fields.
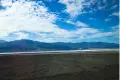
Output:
x=29 y=45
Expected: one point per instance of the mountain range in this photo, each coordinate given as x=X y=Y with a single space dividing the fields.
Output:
x=29 y=45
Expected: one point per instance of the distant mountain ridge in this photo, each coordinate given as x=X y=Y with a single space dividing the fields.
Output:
x=29 y=45
x=2 y=41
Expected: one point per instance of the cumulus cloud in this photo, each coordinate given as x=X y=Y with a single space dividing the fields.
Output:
x=21 y=35
x=72 y=7
x=76 y=7
x=67 y=36
x=115 y=14
x=29 y=16
x=111 y=15
x=77 y=23
x=103 y=34
x=114 y=33
x=25 y=16
x=75 y=36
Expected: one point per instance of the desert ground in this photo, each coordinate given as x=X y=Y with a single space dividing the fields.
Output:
x=60 y=65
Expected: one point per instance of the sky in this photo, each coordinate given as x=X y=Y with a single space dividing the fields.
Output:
x=60 y=20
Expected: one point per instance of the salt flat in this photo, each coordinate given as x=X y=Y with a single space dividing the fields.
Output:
x=63 y=51
x=60 y=65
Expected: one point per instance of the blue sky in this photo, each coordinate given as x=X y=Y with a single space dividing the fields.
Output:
x=60 y=20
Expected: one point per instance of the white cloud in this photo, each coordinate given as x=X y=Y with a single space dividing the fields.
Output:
x=116 y=31
x=115 y=14
x=67 y=36
x=115 y=28
x=77 y=23
x=102 y=34
x=70 y=22
x=33 y=18
x=91 y=33
x=76 y=7
x=21 y=35
x=86 y=31
x=107 y=19
x=113 y=7
x=30 y=17
x=26 y=16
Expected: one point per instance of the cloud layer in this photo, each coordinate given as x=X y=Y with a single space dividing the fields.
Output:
x=20 y=16
x=76 y=7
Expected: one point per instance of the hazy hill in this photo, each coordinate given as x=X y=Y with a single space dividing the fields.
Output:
x=2 y=41
x=29 y=45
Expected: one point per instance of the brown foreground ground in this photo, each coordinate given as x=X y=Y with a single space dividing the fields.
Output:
x=86 y=65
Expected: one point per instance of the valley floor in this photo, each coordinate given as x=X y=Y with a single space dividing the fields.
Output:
x=86 y=65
